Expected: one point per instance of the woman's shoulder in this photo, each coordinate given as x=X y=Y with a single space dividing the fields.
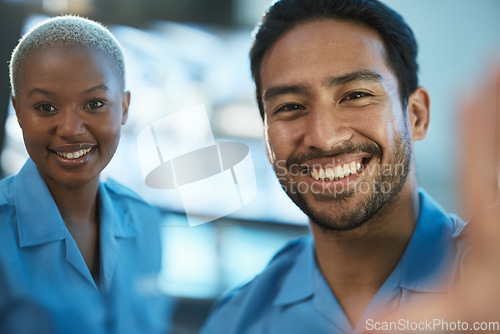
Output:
x=6 y=193
x=7 y=206
x=125 y=197
x=118 y=191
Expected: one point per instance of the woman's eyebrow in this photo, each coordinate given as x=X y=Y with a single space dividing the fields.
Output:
x=40 y=91
x=97 y=87
x=52 y=94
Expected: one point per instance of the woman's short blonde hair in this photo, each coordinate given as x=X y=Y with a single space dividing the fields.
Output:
x=67 y=31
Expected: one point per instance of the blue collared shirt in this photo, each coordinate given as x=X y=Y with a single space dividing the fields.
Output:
x=292 y=296
x=45 y=285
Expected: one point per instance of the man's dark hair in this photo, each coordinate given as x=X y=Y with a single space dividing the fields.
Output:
x=398 y=38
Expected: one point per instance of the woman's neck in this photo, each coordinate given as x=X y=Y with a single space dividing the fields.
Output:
x=80 y=212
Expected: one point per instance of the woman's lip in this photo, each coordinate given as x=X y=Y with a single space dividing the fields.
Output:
x=70 y=148
x=73 y=162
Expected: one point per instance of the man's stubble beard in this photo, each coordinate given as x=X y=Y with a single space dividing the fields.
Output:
x=379 y=197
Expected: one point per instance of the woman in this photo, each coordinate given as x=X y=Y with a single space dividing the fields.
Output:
x=83 y=252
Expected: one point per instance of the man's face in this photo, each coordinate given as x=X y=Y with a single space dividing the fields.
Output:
x=336 y=132
x=70 y=107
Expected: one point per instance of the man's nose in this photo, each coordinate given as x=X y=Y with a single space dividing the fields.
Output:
x=326 y=127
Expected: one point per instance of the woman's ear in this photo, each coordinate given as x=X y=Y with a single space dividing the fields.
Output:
x=14 y=104
x=418 y=112
x=125 y=106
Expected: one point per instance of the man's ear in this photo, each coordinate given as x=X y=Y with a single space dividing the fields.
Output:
x=270 y=153
x=125 y=106
x=14 y=104
x=418 y=113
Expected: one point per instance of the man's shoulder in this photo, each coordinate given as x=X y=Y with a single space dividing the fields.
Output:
x=259 y=294
x=292 y=248
x=277 y=269
x=432 y=213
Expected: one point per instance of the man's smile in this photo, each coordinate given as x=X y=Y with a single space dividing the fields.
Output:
x=335 y=173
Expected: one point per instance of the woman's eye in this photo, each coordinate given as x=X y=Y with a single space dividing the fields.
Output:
x=356 y=95
x=45 y=107
x=94 y=104
x=290 y=107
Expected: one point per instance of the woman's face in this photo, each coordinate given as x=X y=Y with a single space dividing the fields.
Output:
x=70 y=107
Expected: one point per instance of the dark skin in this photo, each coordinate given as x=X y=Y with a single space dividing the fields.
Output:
x=71 y=107
x=82 y=221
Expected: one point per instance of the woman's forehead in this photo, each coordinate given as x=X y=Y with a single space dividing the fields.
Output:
x=68 y=64
x=59 y=67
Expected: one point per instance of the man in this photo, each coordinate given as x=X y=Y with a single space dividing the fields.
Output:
x=338 y=92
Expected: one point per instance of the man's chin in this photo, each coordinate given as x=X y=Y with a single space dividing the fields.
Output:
x=340 y=211
x=335 y=198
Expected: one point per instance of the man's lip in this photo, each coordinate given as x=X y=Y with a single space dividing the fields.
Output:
x=70 y=148
x=334 y=161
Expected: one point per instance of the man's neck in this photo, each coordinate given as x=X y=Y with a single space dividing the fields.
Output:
x=356 y=263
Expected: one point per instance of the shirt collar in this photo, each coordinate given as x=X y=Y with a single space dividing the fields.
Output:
x=426 y=264
x=423 y=266
x=38 y=217
x=299 y=282
x=115 y=218
x=115 y=224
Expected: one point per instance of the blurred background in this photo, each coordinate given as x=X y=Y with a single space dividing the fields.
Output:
x=180 y=54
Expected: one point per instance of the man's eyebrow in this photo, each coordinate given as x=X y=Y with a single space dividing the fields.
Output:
x=97 y=87
x=275 y=91
x=358 y=76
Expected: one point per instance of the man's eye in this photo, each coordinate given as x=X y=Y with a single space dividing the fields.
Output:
x=45 y=107
x=290 y=107
x=356 y=95
x=94 y=104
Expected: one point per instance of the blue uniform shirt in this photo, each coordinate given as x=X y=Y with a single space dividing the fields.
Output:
x=45 y=285
x=292 y=296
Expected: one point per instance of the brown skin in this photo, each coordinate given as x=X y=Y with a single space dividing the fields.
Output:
x=321 y=117
x=69 y=99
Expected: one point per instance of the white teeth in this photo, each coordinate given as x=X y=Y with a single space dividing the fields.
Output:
x=315 y=173
x=330 y=174
x=339 y=172
x=74 y=155
x=336 y=173
x=322 y=173
x=347 y=170
x=353 y=167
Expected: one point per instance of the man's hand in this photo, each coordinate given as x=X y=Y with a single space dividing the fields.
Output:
x=477 y=295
